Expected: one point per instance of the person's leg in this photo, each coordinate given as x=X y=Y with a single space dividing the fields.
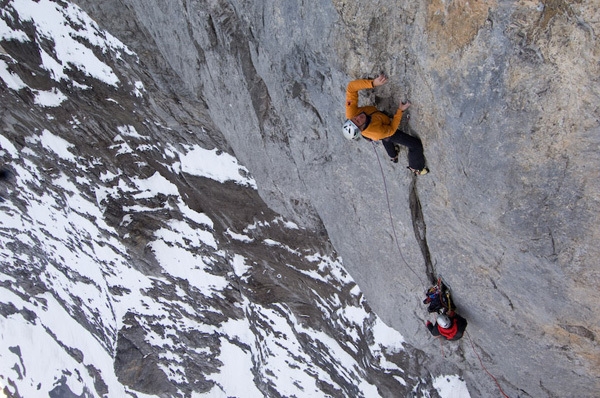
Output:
x=416 y=158
x=390 y=147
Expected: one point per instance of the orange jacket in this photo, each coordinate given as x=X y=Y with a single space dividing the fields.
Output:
x=381 y=126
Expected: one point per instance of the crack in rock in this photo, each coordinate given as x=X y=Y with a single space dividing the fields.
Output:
x=420 y=228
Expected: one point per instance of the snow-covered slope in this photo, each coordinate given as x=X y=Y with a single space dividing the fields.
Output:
x=136 y=257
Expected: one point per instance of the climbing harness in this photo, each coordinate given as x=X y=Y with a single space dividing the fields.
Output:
x=387 y=196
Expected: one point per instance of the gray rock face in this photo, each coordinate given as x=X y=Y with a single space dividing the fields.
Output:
x=505 y=100
x=131 y=264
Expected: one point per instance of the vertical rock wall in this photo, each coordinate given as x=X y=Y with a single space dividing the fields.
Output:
x=505 y=98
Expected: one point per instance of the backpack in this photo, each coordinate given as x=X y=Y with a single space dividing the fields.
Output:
x=438 y=298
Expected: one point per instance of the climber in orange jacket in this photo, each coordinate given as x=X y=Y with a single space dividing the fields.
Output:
x=375 y=125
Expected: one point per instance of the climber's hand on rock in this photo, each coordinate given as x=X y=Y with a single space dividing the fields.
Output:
x=379 y=80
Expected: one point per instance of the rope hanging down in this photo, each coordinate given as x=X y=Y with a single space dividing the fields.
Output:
x=387 y=196
x=484 y=368
x=417 y=275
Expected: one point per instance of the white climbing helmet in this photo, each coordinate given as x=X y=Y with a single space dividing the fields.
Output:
x=351 y=130
x=443 y=321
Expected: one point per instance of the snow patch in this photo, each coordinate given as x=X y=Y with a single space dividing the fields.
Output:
x=451 y=387
x=6 y=33
x=239 y=368
x=238 y=237
x=8 y=146
x=129 y=131
x=51 y=98
x=239 y=265
x=154 y=185
x=216 y=165
x=67 y=27
x=56 y=144
x=12 y=80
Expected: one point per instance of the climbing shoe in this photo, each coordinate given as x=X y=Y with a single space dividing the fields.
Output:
x=421 y=172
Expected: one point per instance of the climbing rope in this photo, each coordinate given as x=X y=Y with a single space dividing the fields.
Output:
x=387 y=195
x=484 y=368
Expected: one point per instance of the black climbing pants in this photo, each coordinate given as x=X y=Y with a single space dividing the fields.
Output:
x=416 y=158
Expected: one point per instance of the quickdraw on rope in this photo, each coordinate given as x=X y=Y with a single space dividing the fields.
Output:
x=387 y=196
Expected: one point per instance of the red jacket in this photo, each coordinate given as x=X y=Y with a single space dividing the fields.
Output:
x=454 y=332
x=381 y=126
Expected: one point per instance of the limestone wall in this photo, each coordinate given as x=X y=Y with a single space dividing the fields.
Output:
x=505 y=98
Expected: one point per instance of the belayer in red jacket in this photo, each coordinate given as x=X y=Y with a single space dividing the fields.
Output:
x=450 y=327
